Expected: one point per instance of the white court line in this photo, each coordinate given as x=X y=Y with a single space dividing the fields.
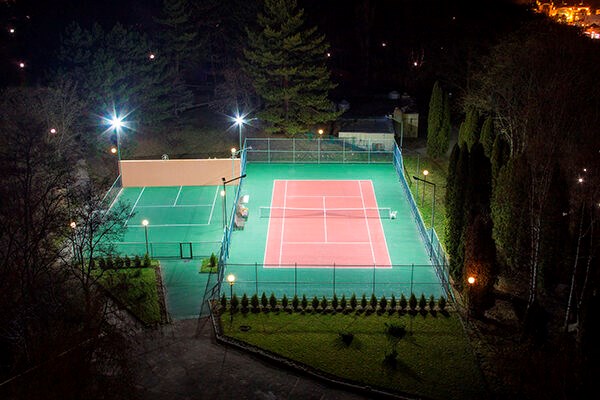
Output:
x=212 y=208
x=166 y=225
x=366 y=220
x=325 y=218
x=380 y=222
x=301 y=195
x=283 y=221
x=269 y=224
x=115 y=200
x=177 y=198
x=134 y=205
x=333 y=243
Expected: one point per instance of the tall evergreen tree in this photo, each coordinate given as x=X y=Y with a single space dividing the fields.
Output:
x=499 y=156
x=468 y=132
x=487 y=136
x=456 y=214
x=286 y=63
x=434 y=121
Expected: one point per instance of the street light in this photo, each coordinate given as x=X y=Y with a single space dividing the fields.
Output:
x=239 y=120
x=432 y=209
x=145 y=223
x=471 y=282
x=233 y=153
x=231 y=280
x=425 y=173
x=224 y=206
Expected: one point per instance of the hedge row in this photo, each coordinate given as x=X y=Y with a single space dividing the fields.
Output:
x=118 y=262
x=353 y=304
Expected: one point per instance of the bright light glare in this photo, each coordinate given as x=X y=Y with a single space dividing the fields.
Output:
x=471 y=280
x=73 y=225
x=116 y=122
x=222 y=193
x=12 y=30
x=580 y=180
x=231 y=279
x=21 y=65
x=145 y=222
x=233 y=150
x=425 y=172
x=151 y=56
x=113 y=150
x=53 y=131
x=320 y=131
x=240 y=120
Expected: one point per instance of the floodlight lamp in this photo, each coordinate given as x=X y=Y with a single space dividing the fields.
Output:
x=21 y=65
x=113 y=150
x=53 y=130
x=12 y=30
x=239 y=120
x=233 y=150
x=320 y=131
x=471 y=280
x=152 y=56
x=222 y=193
x=116 y=122
x=145 y=222
x=580 y=180
x=231 y=279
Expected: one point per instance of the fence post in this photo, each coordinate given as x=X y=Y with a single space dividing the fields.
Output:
x=334 y=278
x=343 y=150
x=256 y=276
x=294 y=150
x=373 y=278
x=295 y=279
x=269 y=150
x=412 y=273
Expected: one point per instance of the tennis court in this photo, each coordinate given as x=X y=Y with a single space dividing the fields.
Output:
x=320 y=229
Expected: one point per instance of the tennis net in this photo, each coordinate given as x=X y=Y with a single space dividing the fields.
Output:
x=294 y=212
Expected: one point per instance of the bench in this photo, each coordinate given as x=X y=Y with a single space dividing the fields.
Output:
x=238 y=222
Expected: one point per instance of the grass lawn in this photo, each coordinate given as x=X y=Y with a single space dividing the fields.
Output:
x=436 y=361
x=414 y=166
x=136 y=289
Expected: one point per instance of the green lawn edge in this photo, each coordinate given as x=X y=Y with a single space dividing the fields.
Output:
x=434 y=361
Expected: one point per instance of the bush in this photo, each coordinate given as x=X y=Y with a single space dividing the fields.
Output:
x=343 y=302
x=119 y=262
x=147 y=260
x=234 y=303
x=412 y=301
x=383 y=303
x=422 y=302
x=110 y=263
x=373 y=301
x=92 y=264
x=127 y=262
x=393 y=303
x=363 y=301
x=431 y=303
x=272 y=301
x=395 y=331
x=284 y=301
x=315 y=303
x=212 y=261
x=254 y=302
x=245 y=302
x=295 y=302
x=137 y=262
x=263 y=300
x=223 y=302
x=347 y=337
x=442 y=303
x=353 y=301
x=101 y=263
x=324 y=302
x=304 y=302
x=334 y=302
x=403 y=302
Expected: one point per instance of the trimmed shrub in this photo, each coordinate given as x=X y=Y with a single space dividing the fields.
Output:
x=254 y=302
x=431 y=303
x=347 y=337
x=422 y=302
x=295 y=302
x=412 y=301
x=272 y=301
x=363 y=301
x=137 y=261
x=315 y=303
x=263 y=300
x=223 y=301
x=110 y=263
x=127 y=262
x=147 y=260
x=393 y=303
x=284 y=301
x=101 y=263
x=245 y=302
x=324 y=302
x=234 y=303
x=353 y=302
x=119 y=262
x=343 y=302
x=373 y=301
x=383 y=303
x=334 y=302
x=304 y=302
x=442 y=303
x=403 y=303
x=395 y=331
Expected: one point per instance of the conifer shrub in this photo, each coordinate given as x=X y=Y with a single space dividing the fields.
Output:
x=223 y=302
x=147 y=260
x=346 y=337
x=383 y=303
x=304 y=302
x=343 y=302
x=422 y=302
x=412 y=302
x=263 y=300
x=324 y=303
x=295 y=302
x=403 y=303
x=119 y=262
x=127 y=262
x=431 y=303
x=393 y=303
x=137 y=261
x=373 y=301
x=284 y=301
x=272 y=301
x=335 y=302
x=254 y=302
x=353 y=302
x=442 y=303
x=245 y=302
x=234 y=303
x=363 y=301
x=315 y=303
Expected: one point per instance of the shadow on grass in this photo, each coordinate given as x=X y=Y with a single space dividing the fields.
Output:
x=392 y=368
x=339 y=343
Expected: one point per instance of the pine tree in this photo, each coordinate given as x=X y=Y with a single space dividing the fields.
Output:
x=468 y=132
x=286 y=63
x=438 y=122
x=488 y=136
x=455 y=212
x=499 y=157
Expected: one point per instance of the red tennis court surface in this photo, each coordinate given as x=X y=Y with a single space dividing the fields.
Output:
x=316 y=223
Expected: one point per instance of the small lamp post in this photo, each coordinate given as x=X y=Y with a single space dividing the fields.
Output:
x=233 y=153
x=432 y=208
x=239 y=120
x=425 y=173
x=145 y=223
x=471 y=281
x=73 y=226
x=231 y=280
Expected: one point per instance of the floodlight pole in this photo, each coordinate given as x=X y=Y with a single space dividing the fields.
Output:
x=225 y=182
x=432 y=211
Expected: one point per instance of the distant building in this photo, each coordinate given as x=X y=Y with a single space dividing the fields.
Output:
x=372 y=133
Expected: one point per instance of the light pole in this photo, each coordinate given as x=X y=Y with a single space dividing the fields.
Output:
x=223 y=205
x=224 y=194
x=233 y=153
x=145 y=223
x=432 y=209
x=425 y=173
x=471 y=282
x=231 y=280
x=73 y=226
x=239 y=120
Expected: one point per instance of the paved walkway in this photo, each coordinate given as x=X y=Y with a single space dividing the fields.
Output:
x=183 y=361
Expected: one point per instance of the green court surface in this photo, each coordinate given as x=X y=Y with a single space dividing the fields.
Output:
x=411 y=271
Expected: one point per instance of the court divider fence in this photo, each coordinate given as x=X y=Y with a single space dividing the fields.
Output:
x=179 y=250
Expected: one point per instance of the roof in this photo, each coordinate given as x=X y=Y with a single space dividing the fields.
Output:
x=367 y=125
